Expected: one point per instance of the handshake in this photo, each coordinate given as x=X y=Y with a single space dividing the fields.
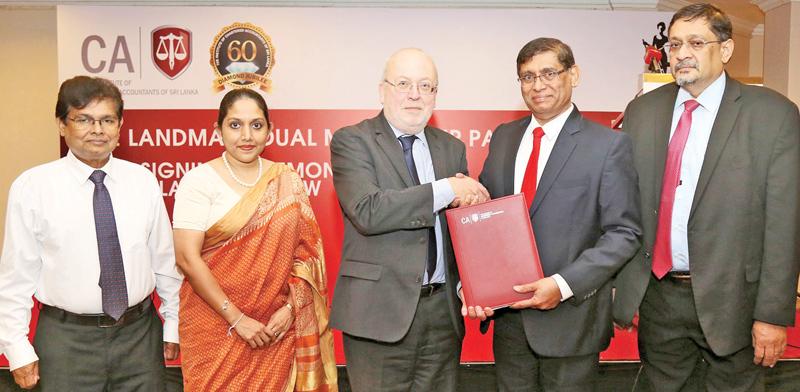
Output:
x=467 y=190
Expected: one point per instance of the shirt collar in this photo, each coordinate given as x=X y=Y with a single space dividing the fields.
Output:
x=420 y=136
x=709 y=99
x=81 y=171
x=553 y=127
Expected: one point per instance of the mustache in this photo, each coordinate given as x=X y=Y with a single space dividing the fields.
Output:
x=688 y=63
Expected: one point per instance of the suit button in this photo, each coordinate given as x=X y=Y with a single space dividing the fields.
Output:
x=419 y=279
x=422 y=239
x=655 y=212
x=646 y=255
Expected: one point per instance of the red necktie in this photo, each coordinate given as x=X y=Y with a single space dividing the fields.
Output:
x=662 y=249
x=529 y=181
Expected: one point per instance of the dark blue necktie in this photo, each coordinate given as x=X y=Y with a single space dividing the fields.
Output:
x=112 y=271
x=408 y=143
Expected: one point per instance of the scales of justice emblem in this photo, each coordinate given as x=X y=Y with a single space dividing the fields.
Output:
x=171 y=50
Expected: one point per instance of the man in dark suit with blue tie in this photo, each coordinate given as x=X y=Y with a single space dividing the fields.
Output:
x=395 y=298
x=578 y=179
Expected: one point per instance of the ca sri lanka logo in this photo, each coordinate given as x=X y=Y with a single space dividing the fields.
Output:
x=242 y=55
x=171 y=50
x=476 y=217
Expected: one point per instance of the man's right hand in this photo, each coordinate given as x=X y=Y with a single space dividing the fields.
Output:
x=467 y=190
x=27 y=376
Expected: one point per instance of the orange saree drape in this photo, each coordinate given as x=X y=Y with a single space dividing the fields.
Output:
x=266 y=243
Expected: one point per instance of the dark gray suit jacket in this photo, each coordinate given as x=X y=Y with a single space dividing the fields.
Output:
x=386 y=222
x=743 y=223
x=585 y=218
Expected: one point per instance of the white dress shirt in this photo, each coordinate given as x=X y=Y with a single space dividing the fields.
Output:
x=691 y=163
x=50 y=247
x=443 y=195
x=551 y=131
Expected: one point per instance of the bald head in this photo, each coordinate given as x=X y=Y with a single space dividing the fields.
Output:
x=406 y=58
x=408 y=109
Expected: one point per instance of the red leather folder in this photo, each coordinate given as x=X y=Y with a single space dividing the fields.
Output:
x=495 y=250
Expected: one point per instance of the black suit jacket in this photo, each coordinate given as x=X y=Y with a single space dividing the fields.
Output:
x=585 y=218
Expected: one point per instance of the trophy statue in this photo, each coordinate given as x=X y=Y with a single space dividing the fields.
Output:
x=655 y=56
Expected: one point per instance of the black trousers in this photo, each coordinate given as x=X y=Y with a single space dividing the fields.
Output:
x=675 y=354
x=425 y=360
x=520 y=369
x=76 y=357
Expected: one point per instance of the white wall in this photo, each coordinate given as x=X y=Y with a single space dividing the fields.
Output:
x=28 y=94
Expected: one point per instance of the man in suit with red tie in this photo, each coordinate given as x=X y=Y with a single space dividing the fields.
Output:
x=718 y=164
x=578 y=179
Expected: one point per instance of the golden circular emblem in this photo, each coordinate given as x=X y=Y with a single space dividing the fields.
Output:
x=242 y=55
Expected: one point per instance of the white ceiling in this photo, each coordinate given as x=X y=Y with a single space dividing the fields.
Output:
x=744 y=14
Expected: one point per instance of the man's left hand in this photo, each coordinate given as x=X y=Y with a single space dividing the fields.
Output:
x=171 y=351
x=769 y=341
x=546 y=294
x=474 y=312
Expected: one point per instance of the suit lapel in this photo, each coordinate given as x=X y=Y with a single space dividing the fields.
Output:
x=509 y=160
x=662 y=126
x=384 y=137
x=720 y=131
x=437 y=154
x=563 y=148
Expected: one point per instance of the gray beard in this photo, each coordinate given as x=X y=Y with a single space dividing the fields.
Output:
x=684 y=80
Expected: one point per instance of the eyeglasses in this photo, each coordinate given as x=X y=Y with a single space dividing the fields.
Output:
x=85 y=122
x=694 y=44
x=404 y=86
x=547 y=76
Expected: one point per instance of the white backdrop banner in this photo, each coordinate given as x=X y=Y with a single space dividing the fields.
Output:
x=332 y=58
x=319 y=69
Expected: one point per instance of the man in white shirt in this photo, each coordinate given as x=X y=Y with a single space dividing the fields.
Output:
x=88 y=235
x=719 y=165
x=578 y=180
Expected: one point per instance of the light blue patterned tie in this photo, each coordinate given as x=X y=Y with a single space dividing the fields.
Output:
x=112 y=271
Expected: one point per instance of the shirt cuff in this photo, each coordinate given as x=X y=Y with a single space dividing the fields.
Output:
x=20 y=354
x=566 y=292
x=171 y=331
x=443 y=194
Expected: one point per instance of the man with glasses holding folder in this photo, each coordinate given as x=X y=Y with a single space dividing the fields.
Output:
x=578 y=180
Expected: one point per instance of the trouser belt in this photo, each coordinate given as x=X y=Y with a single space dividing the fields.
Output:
x=99 y=320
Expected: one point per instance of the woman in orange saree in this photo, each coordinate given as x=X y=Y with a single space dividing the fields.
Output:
x=253 y=312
